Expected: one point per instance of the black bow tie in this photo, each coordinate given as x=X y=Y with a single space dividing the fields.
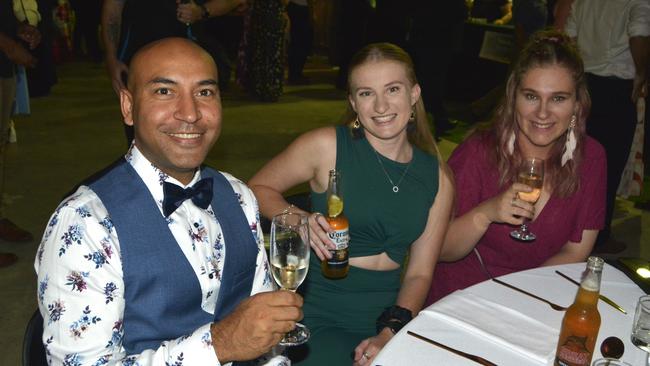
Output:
x=200 y=194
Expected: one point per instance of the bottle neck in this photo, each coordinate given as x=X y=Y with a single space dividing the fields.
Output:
x=590 y=287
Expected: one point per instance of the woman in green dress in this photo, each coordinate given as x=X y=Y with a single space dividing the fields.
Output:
x=398 y=196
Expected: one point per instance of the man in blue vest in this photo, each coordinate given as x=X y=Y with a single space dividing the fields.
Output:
x=159 y=260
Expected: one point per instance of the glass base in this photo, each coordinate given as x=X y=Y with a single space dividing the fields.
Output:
x=299 y=335
x=609 y=362
x=523 y=235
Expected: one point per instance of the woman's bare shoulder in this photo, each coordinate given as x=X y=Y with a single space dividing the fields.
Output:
x=320 y=138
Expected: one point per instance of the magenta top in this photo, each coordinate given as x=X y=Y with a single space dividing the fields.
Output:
x=561 y=220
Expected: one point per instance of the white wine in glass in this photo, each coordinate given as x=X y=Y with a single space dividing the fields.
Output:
x=531 y=173
x=289 y=257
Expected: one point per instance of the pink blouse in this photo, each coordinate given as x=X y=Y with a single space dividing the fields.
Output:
x=561 y=220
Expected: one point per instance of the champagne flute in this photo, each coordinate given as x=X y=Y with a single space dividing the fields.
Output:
x=289 y=254
x=531 y=173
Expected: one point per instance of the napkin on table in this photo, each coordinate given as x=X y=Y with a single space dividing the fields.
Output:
x=504 y=326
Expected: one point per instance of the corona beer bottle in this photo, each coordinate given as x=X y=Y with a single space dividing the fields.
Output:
x=337 y=266
x=582 y=320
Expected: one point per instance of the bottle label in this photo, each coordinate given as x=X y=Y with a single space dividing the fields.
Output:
x=573 y=352
x=340 y=238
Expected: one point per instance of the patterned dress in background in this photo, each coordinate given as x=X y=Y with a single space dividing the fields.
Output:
x=261 y=54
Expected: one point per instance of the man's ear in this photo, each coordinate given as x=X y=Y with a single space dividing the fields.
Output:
x=126 y=104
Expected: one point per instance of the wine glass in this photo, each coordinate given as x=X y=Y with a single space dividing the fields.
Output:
x=641 y=326
x=531 y=173
x=289 y=257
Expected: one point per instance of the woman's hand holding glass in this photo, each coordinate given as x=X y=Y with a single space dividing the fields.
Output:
x=289 y=257
x=508 y=208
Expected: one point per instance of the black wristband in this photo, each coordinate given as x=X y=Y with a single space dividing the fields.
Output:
x=394 y=317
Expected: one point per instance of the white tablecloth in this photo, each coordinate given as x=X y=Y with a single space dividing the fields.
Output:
x=509 y=328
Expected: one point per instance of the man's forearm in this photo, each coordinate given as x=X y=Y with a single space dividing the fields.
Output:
x=640 y=49
x=111 y=25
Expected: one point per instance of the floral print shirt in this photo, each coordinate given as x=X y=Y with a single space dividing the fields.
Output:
x=80 y=284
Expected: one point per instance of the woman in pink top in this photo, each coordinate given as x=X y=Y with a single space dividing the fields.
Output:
x=542 y=115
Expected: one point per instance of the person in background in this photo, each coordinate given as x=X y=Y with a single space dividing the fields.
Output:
x=353 y=20
x=301 y=39
x=262 y=50
x=87 y=15
x=390 y=166
x=12 y=52
x=128 y=25
x=436 y=35
x=614 y=40
x=543 y=115
x=160 y=260
x=224 y=34
x=42 y=77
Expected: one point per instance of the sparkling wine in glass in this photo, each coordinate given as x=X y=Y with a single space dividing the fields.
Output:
x=289 y=257
x=531 y=173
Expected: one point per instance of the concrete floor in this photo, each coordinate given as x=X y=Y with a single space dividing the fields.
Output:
x=77 y=130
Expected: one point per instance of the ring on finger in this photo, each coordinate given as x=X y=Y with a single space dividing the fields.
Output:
x=514 y=199
x=366 y=355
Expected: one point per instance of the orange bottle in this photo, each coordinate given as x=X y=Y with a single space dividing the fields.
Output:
x=337 y=266
x=582 y=320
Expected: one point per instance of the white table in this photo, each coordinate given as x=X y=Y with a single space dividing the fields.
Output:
x=514 y=314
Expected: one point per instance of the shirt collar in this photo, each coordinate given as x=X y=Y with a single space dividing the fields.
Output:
x=153 y=177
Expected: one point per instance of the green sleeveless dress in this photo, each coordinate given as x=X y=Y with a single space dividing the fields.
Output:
x=341 y=313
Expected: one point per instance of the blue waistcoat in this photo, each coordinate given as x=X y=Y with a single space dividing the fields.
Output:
x=161 y=292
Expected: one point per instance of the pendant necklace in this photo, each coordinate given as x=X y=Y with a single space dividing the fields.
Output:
x=395 y=186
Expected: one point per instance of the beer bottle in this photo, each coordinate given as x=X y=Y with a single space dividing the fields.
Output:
x=337 y=266
x=581 y=320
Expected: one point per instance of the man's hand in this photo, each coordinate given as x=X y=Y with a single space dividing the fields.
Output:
x=29 y=34
x=116 y=69
x=20 y=56
x=256 y=325
x=188 y=12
